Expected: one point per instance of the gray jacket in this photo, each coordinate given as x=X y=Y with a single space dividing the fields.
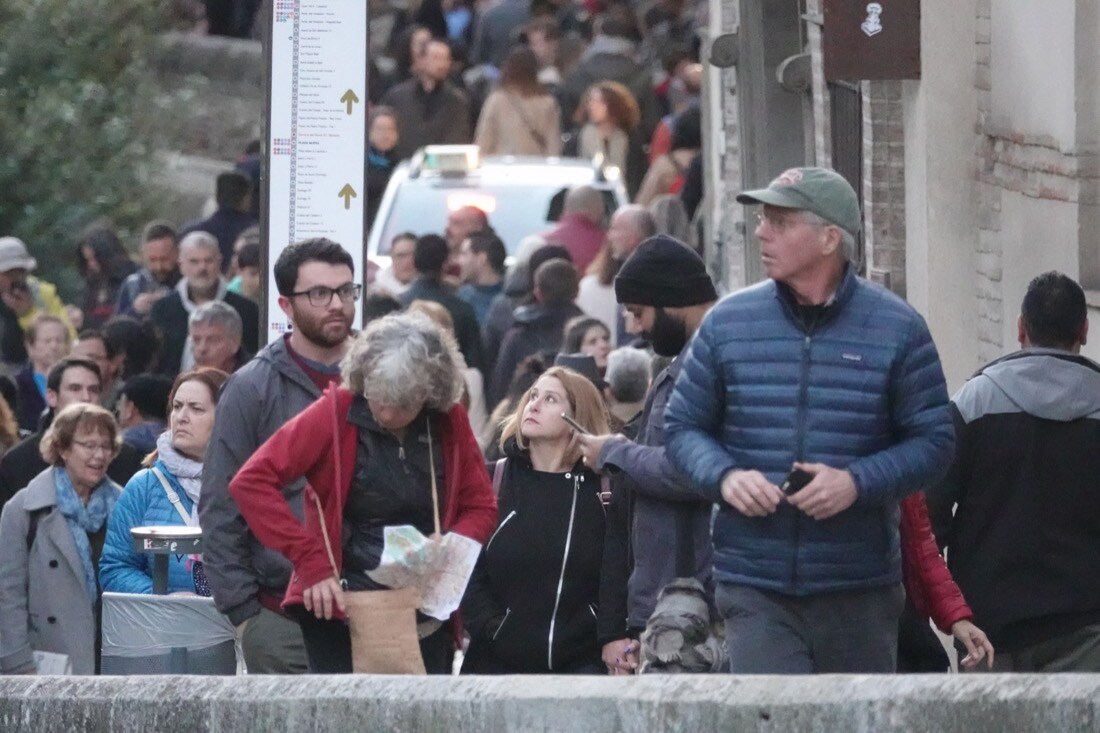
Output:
x=667 y=517
x=43 y=605
x=256 y=401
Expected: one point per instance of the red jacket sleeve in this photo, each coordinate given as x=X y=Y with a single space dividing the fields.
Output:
x=474 y=512
x=297 y=449
x=927 y=580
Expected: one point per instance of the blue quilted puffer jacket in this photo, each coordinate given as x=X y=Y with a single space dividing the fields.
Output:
x=862 y=389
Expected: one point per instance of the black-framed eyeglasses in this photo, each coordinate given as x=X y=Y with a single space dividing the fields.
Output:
x=320 y=296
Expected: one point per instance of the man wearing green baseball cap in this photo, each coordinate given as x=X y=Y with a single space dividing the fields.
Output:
x=807 y=408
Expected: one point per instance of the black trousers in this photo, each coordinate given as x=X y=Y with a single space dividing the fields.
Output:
x=328 y=645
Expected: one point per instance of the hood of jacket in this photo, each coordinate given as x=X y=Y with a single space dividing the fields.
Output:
x=1048 y=383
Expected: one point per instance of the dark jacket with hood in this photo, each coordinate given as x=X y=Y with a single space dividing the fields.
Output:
x=537 y=329
x=1025 y=540
x=549 y=588
x=256 y=401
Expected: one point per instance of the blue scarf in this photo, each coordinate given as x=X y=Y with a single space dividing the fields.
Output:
x=84 y=519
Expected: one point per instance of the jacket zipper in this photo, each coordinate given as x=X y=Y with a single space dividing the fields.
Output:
x=803 y=390
x=490 y=542
x=507 y=613
x=561 y=578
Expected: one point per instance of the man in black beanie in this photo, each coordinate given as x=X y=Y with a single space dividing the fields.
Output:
x=665 y=287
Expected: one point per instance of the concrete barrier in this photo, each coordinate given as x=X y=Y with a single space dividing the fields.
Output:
x=940 y=703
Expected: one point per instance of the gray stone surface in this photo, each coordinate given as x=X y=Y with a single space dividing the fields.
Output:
x=225 y=78
x=940 y=703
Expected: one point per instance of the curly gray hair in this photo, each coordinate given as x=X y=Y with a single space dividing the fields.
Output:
x=405 y=360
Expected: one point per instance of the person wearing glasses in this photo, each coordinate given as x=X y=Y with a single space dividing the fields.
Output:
x=318 y=295
x=202 y=282
x=166 y=493
x=391 y=446
x=53 y=533
x=831 y=387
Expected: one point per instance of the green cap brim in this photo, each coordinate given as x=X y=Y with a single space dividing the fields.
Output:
x=772 y=197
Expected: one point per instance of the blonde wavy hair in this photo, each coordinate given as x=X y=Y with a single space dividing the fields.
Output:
x=405 y=360
x=585 y=404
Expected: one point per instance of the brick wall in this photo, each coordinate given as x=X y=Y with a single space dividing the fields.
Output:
x=1013 y=161
x=884 y=183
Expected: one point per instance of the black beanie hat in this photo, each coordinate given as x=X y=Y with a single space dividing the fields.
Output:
x=665 y=273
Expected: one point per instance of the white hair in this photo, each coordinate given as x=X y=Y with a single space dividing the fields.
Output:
x=217 y=313
x=405 y=360
x=199 y=238
x=628 y=373
x=847 y=239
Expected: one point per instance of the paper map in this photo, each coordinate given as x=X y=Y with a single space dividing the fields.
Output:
x=440 y=569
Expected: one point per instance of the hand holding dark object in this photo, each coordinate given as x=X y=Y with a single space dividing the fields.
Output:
x=829 y=493
x=591 y=446
x=750 y=493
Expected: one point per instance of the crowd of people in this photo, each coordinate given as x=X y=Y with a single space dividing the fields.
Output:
x=775 y=461
x=620 y=443
x=601 y=81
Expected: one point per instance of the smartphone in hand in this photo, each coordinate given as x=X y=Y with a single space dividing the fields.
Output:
x=574 y=424
x=796 y=481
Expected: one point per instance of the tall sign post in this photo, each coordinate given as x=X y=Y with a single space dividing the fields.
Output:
x=315 y=133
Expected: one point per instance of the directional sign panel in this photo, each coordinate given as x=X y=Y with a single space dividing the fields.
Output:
x=316 y=132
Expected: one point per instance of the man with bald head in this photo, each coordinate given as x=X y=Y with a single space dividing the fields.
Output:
x=630 y=226
x=202 y=282
x=461 y=223
x=580 y=228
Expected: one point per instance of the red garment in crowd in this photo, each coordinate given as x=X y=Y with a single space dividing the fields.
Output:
x=320 y=444
x=580 y=236
x=927 y=580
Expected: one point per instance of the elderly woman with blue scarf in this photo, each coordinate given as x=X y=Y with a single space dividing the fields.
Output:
x=167 y=492
x=53 y=532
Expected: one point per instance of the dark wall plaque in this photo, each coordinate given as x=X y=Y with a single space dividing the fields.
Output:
x=871 y=40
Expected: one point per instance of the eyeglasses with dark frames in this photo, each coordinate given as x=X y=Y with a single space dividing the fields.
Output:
x=320 y=296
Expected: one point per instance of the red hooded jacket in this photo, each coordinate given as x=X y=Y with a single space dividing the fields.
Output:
x=320 y=444
x=927 y=579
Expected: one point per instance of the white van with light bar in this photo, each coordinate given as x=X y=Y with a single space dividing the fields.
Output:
x=520 y=195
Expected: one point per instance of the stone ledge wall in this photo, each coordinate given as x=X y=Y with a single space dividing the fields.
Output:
x=941 y=703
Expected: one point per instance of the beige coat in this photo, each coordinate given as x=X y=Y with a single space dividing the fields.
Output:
x=513 y=125
x=43 y=605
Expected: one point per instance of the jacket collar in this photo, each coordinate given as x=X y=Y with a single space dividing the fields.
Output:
x=41 y=491
x=277 y=355
x=835 y=303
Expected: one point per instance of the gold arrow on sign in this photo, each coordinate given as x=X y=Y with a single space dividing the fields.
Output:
x=349 y=98
x=347 y=193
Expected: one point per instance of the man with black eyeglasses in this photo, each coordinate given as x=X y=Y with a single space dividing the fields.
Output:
x=317 y=293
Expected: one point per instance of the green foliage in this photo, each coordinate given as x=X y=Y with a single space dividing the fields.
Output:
x=79 y=123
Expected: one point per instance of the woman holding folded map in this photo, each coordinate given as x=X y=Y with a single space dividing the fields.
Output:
x=548 y=594
x=372 y=451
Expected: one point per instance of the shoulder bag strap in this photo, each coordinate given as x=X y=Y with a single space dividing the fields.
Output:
x=173 y=497
x=517 y=105
x=338 y=470
x=435 y=488
x=498 y=475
